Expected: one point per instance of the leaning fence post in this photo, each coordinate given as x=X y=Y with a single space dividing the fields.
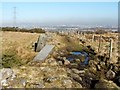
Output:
x=93 y=37
x=110 y=49
x=99 y=43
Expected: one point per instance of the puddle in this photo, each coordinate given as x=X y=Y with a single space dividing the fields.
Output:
x=74 y=54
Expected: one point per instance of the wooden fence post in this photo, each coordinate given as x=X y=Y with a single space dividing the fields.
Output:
x=93 y=37
x=110 y=48
x=99 y=46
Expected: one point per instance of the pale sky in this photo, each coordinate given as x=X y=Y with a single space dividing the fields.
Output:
x=60 y=13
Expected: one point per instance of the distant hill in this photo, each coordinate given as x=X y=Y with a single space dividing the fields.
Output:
x=16 y=29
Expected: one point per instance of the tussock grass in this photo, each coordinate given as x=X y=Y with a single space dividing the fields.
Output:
x=10 y=59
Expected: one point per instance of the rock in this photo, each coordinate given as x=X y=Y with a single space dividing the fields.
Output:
x=74 y=65
x=91 y=62
x=110 y=74
x=86 y=82
x=0 y=87
x=6 y=73
x=68 y=71
x=13 y=76
x=45 y=69
x=98 y=68
x=60 y=63
x=93 y=69
x=77 y=60
x=50 y=79
x=6 y=76
x=82 y=58
x=77 y=85
x=43 y=64
x=4 y=83
x=116 y=68
x=67 y=83
x=102 y=64
x=39 y=85
x=54 y=63
x=76 y=77
x=76 y=71
x=66 y=62
x=23 y=67
x=64 y=58
x=23 y=82
x=96 y=62
x=60 y=58
x=36 y=85
x=106 y=84
x=0 y=76
x=82 y=71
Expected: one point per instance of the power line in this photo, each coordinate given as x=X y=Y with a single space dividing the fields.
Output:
x=14 y=17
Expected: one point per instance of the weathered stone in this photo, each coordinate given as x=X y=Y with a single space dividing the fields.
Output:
x=76 y=77
x=93 y=69
x=13 y=76
x=77 y=85
x=41 y=42
x=6 y=73
x=106 y=84
x=23 y=82
x=74 y=65
x=47 y=69
x=23 y=67
x=77 y=60
x=67 y=83
x=68 y=71
x=52 y=63
x=39 y=85
x=35 y=85
x=58 y=57
x=116 y=68
x=66 y=62
x=91 y=62
x=0 y=75
x=4 y=83
x=82 y=58
x=110 y=74
x=98 y=67
x=96 y=62
x=82 y=71
x=43 y=54
x=76 y=71
x=60 y=63
x=86 y=82
x=64 y=58
x=50 y=79
x=102 y=64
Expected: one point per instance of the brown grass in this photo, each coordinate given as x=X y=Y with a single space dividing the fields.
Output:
x=20 y=43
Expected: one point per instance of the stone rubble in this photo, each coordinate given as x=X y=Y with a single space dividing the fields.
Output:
x=57 y=71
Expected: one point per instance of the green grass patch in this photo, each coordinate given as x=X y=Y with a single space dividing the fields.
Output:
x=10 y=59
x=72 y=44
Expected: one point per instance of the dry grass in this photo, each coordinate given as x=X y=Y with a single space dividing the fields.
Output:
x=20 y=44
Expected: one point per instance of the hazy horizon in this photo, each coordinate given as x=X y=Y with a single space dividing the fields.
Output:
x=60 y=13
